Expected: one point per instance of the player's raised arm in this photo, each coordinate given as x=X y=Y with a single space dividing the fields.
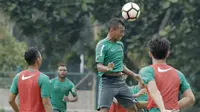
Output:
x=128 y=72
x=134 y=75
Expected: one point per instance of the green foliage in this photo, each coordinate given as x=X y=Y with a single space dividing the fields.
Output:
x=11 y=52
x=52 y=26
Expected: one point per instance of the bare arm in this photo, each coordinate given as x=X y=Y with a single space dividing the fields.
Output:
x=156 y=96
x=187 y=100
x=67 y=99
x=12 y=102
x=128 y=72
x=134 y=75
x=47 y=104
x=74 y=99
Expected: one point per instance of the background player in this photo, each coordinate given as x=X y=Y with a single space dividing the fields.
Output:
x=163 y=81
x=61 y=87
x=139 y=91
x=32 y=86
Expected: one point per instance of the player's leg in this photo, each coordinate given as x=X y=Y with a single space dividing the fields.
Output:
x=106 y=95
x=126 y=99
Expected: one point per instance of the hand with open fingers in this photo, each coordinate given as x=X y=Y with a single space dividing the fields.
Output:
x=142 y=91
x=110 y=66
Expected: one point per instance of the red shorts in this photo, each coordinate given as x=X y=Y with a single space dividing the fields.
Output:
x=117 y=108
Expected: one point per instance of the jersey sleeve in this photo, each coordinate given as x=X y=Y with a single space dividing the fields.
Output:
x=184 y=85
x=100 y=52
x=147 y=74
x=73 y=89
x=44 y=85
x=14 y=85
x=134 y=89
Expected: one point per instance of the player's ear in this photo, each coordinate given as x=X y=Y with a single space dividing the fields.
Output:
x=150 y=54
x=39 y=60
x=167 y=54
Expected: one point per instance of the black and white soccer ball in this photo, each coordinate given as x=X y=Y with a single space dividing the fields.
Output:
x=130 y=11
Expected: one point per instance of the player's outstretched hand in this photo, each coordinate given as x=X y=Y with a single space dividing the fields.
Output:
x=138 y=78
x=111 y=66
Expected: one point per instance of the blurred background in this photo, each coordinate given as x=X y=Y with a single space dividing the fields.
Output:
x=67 y=31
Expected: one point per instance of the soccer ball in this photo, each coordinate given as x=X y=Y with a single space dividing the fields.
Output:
x=130 y=11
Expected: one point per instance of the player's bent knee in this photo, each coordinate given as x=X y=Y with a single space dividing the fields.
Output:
x=104 y=109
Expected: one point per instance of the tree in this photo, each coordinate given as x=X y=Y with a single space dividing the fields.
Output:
x=53 y=26
x=11 y=52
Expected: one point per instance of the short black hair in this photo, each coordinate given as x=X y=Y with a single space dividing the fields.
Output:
x=159 y=47
x=114 y=23
x=62 y=64
x=31 y=55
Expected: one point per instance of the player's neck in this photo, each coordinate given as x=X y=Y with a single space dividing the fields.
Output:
x=33 y=67
x=110 y=38
x=159 y=61
x=61 y=79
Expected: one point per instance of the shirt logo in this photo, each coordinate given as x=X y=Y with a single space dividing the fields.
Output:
x=163 y=70
x=24 y=78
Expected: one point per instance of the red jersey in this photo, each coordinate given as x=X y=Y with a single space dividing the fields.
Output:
x=168 y=83
x=29 y=92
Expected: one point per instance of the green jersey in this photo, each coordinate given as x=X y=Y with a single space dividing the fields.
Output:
x=59 y=90
x=135 y=90
x=107 y=52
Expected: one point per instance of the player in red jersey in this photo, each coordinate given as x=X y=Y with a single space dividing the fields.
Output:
x=164 y=82
x=32 y=86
